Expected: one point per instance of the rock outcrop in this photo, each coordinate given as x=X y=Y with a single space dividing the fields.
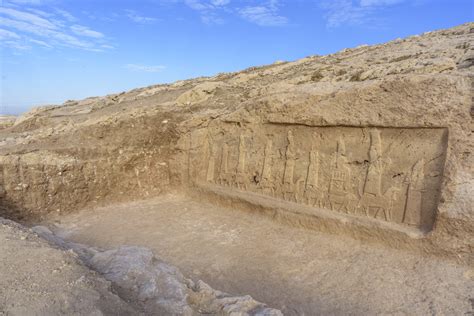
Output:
x=37 y=278
x=155 y=287
x=374 y=142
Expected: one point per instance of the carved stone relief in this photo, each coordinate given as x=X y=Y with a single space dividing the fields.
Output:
x=389 y=174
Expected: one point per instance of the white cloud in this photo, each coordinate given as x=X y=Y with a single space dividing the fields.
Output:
x=263 y=16
x=39 y=12
x=68 y=16
x=144 y=68
x=4 y=34
x=106 y=46
x=27 y=17
x=266 y=14
x=40 y=43
x=47 y=29
x=209 y=11
x=341 y=12
x=29 y=2
x=135 y=17
x=368 y=3
x=220 y=2
x=85 y=31
x=197 y=5
x=348 y=12
x=54 y=36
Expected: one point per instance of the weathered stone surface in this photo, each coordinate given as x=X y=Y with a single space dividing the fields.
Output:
x=155 y=287
x=37 y=279
x=374 y=142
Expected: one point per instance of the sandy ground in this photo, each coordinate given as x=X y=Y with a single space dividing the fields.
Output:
x=299 y=271
x=37 y=279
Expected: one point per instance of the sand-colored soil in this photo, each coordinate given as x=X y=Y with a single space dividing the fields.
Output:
x=37 y=279
x=301 y=272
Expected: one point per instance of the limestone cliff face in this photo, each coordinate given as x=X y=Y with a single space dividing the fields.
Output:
x=373 y=141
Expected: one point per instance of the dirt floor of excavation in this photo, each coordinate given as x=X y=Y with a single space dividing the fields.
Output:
x=300 y=271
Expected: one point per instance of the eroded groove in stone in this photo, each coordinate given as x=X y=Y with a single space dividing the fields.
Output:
x=390 y=174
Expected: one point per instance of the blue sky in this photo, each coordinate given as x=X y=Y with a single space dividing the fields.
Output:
x=55 y=50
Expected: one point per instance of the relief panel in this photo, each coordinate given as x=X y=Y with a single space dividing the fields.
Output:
x=389 y=174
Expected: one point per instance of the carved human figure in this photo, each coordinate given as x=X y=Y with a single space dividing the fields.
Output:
x=225 y=177
x=339 y=183
x=415 y=189
x=225 y=158
x=373 y=181
x=339 y=196
x=382 y=206
x=241 y=164
x=312 y=192
x=266 y=182
x=211 y=163
x=241 y=178
x=288 y=184
x=392 y=195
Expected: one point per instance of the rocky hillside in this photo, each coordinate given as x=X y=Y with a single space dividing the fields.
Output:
x=138 y=144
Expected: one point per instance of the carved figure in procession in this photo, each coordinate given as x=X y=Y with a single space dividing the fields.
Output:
x=241 y=179
x=290 y=188
x=412 y=214
x=373 y=181
x=211 y=162
x=339 y=183
x=225 y=177
x=312 y=193
x=266 y=183
x=340 y=197
x=374 y=202
x=382 y=206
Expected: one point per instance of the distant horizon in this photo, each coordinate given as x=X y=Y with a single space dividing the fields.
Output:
x=54 y=50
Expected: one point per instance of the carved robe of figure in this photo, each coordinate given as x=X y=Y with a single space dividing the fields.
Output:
x=340 y=195
x=241 y=164
x=241 y=178
x=340 y=174
x=412 y=214
x=224 y=176
x=373 y=181
x=290 y=160
x=312 y=178
x=288 y=184
x=211 y=164
x=266 y=182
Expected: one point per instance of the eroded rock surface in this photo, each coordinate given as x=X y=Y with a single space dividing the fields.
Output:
x=155 y=287
x=38 y=279
x=374 y=142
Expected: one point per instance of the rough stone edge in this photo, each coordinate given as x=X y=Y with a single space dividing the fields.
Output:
x=199 y=297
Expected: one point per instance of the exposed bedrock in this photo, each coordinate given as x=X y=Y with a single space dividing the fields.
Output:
x=374 y=142
x=129 y=281
x=155 y=287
